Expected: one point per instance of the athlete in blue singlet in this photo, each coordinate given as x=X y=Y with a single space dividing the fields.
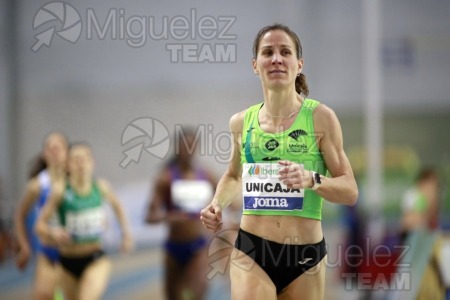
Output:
x=50 y=168
x=179 y=194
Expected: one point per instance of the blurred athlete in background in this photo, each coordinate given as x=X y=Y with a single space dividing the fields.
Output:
x=79 y=205
x=180 y=192
x=49 y=169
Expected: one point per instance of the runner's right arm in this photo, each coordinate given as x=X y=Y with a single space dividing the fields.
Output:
x=230 y=185
x=28 y=200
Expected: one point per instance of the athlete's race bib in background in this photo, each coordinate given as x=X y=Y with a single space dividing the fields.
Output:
x=262 y=190
x=191 y=195
x=86 y=225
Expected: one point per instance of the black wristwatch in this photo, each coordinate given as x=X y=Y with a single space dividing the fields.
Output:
x=316 y=179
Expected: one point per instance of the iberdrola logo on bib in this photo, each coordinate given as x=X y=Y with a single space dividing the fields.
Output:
x=263 y=170
x=253 y=170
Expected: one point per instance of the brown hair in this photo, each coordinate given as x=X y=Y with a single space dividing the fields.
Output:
x=427 y=173
x=37 y=165
x=301 y=86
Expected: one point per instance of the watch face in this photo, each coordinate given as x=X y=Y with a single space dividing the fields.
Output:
x=317 y=178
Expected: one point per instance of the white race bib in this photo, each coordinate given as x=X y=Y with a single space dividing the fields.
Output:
x=86 y=224
x=262 y=190
x=191 y=195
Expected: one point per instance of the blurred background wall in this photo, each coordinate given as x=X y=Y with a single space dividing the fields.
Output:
x=94 y=79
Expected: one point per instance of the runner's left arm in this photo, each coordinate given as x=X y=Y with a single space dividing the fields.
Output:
x=113 y=200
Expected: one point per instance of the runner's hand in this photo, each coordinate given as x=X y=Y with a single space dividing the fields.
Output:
x=127 y=245
x=60 y=236
x=211 y=216
x=23 y=257
x=294 y=176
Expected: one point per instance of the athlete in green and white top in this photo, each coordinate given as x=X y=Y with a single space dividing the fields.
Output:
x=79 y=203
x=287 y=213
x=263 y=193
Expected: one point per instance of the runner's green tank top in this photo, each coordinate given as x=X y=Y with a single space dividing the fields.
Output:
x=263 y=193
x=83 y=216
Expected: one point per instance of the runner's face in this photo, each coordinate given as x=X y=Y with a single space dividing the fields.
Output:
x=55 y=150
x=81 y=162
x=276 y=62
